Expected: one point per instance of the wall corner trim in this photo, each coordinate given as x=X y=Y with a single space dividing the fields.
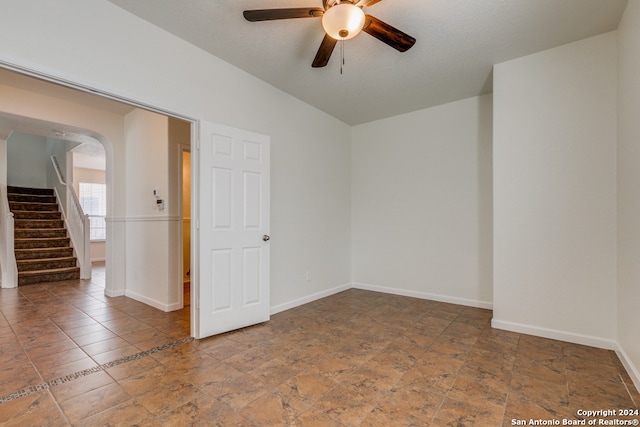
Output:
x=149 y=301
x=571 y=337
x=632 y=370
x=555 y=334
x=309 y=298
x=114 y=292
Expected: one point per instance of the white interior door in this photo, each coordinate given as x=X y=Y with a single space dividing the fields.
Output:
x=233 y=237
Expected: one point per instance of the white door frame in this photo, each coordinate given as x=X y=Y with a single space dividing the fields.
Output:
x=183 y=148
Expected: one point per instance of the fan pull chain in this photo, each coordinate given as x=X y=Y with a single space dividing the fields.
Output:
x=341 y=55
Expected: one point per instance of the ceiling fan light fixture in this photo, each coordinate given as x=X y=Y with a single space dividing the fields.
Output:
x=343 y=21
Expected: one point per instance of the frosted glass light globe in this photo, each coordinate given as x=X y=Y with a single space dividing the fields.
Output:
x=343 y=21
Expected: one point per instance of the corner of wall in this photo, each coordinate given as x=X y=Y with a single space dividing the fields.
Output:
x=628 y=364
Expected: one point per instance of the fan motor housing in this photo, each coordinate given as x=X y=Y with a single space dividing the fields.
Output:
x=330 y=3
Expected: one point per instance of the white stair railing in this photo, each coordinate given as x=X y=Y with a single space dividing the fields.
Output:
x=8 y=264
x=77 y=223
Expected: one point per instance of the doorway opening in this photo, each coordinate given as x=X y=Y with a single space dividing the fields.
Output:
x=120 y=222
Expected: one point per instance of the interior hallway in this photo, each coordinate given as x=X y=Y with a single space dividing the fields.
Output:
x=71 y=356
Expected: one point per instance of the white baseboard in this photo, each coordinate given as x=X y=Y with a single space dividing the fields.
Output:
x=632 y=370
x=555 y=334
x=309 y=298
x=425 y=295
x=149 y=301
x=114 y=292
x=175 y=306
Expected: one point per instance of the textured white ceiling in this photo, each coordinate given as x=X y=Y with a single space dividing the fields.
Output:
x=458 y=41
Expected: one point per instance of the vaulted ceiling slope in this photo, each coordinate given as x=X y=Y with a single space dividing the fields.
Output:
x=458 y=41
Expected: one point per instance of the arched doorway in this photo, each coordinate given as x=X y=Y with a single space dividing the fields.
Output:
x=40 y=153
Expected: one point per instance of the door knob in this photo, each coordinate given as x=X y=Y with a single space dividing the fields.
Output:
x=266 y=237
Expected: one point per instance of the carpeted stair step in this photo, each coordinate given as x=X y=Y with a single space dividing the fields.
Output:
x=37 y=215
x=41 y=244
x=43 y=276
x=45 y=242
x=29 y=206
x=28 y=190
x=30 y=233
x=36 y=253
x=38 y=223
x=45 y=264
x=31 y=198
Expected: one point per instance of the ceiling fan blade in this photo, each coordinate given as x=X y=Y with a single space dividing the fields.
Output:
x=324 y=52
x=367 y=3
x=388 y=34
x=272 y=14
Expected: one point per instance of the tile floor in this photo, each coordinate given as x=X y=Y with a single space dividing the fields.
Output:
x=357 y=358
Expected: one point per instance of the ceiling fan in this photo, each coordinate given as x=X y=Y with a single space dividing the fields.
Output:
x=341 y=20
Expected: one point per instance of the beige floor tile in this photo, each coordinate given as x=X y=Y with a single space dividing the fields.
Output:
x=237 y=392
x=548 y=395
x=345 y=405
x=357 y=358
x=161 y=400
x=468 y=413
x=586 y=391
x=93 y=402
x=38 y=409
x=129 y=413
x=524 y=409
x=274 y=409
x=314 y=417
x=480 y=386
x=308 y=386
x=75 y=388
x=405 y=406
x=552 y=370
x=203 y=412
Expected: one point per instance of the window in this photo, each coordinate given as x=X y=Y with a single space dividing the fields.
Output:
x=93 y=199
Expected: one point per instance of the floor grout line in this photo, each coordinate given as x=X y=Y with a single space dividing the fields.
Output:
x=628 y=391
x=76 y=375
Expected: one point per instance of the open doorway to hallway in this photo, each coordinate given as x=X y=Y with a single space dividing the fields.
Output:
x=144 y=217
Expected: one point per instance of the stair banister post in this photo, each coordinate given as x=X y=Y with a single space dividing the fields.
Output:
x=11 y=265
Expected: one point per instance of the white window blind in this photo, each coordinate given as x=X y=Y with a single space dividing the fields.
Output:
x=93 y=199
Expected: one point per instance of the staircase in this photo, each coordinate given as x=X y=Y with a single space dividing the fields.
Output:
x=42 y=247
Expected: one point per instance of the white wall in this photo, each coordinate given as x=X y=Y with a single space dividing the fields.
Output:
x=310 y=207
x=28 y=165
x=148 y=266
x=628 y=196
x=555 y=192
x=421 y=207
